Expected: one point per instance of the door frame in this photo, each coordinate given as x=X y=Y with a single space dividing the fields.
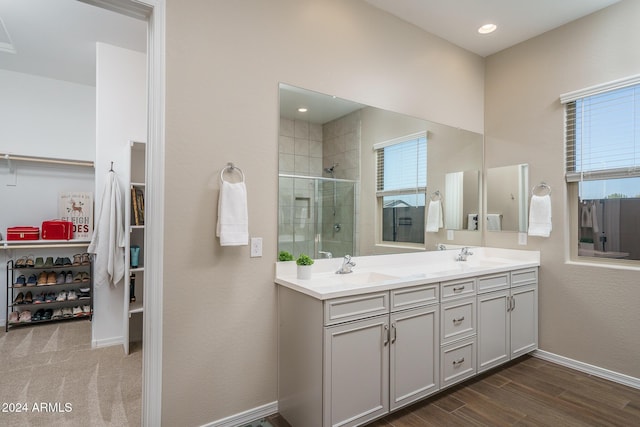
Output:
x=154 y=12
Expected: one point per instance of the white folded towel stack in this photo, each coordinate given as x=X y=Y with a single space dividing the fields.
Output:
x=434 y=217
x=233 y=219
x=540 y=216
x=494 y=222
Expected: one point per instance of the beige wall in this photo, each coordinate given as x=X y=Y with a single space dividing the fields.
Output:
x=224 y=62
x=586 y=313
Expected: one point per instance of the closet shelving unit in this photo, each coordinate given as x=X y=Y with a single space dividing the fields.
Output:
x=135 y=153
x=19 y=245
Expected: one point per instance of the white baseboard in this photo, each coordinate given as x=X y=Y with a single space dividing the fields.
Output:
x=589 y=369
x=246 y=417
x=107 y=342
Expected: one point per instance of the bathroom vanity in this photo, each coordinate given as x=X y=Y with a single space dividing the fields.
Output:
x=354 y=347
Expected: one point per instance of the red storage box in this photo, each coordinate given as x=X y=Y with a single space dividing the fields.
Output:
x=23 y=233
x=57 y=229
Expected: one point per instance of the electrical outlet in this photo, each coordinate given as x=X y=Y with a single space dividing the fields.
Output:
x=449 y=234
x=522 y=238
x=256 y=247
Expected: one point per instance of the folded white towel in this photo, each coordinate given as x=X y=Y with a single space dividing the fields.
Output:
x=233 y=219
x=434 y=217
x=472 y=222
x=494 y=222
x=540 y=216
x=594 y=217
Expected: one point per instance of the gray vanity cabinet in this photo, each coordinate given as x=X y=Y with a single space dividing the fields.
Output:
x=508 y=318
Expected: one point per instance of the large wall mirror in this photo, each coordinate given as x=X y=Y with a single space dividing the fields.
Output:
x=331 y=202
x=507 y=198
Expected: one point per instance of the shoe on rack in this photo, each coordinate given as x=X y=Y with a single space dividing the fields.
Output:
x=39 y=262
x=14 y=316
x=57 y=314
x=30 y=262
x=32 y=280
x=19 y=299
x=84 y=293
x=77 y=311
x=48 y=313
x=67 y=312
x=85 y=277
x=68 y=278
x=60 y=278
x=77 y=259
x=42 y=278
x=37 y=315
x=38 y=299
x=72 y=296
x=50 y=297
x=86 y=259
x=77 y=278
x=62 y=296
x=25 y=316
x=20 y=282
x=21 y=262
x=86 y=309
x=51 y=278
x=59 y=262
x=66 y=262
x=28 y=298
x=49 y=262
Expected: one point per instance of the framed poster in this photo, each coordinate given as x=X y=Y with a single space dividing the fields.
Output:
x=77 y=207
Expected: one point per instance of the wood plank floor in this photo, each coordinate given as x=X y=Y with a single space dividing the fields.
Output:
x=527 y=392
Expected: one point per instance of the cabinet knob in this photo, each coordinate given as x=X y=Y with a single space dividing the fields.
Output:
x=458 y=320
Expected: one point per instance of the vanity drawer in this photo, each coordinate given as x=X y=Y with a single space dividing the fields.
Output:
x=458 y=288
x=415 y=296
x=458 y=319
x=493 y=282
x=457 y=362
x=524 y=277
x=339 y=310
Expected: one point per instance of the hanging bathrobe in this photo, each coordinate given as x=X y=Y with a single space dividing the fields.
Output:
x=108 y=240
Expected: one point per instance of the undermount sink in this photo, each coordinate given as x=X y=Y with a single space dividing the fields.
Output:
x=357 y=278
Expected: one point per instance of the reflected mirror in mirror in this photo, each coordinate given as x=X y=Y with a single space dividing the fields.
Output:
x=462 y=190
x=329 y=204
x=507 y=198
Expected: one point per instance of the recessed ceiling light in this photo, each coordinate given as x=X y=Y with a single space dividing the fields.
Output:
x=302 y=110
x=487 y=28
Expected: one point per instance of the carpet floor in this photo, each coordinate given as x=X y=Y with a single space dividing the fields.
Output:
x=50 y=375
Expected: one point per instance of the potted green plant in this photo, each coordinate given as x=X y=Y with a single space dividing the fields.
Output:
x=285 y=256
x=304 y=263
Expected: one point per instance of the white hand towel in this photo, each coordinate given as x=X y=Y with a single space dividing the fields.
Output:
x=434 y=217
x=594 y=217
x=494 y=222
x=108 y=240
x=472 y=222
x=233 y=219
x=540 y=216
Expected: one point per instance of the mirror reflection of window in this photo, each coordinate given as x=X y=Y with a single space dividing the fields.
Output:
x=402 y=184
x=602 y=144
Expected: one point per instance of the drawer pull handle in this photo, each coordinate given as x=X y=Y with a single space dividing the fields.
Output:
x=385 y=332
x=458 y=362
x=395 y=333
x=458 y=288
x=458 y=320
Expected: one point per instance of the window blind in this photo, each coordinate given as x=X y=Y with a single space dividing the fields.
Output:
x=402 y=165
x=602 y=132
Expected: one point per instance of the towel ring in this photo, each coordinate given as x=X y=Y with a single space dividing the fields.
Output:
x=546 y=189
x=231 y=167
x=435 y=196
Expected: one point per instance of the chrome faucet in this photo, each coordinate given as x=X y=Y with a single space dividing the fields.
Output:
x=347 y=265
x=464 y=253
x=326 y=254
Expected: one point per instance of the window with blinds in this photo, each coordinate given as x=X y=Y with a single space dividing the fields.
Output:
x=602 y=136
x=401 y=185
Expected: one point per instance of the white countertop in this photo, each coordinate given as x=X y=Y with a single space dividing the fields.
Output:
x=386 y=272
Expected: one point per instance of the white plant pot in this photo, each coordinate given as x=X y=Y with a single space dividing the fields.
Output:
x=304 y=272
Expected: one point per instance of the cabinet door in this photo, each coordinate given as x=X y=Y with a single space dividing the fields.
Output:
x=356 y=374
x=524 y=320
x=493 y=329
x=415 y=341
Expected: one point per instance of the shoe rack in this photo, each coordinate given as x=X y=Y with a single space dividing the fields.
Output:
x=135 y=238
x=40 y=291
